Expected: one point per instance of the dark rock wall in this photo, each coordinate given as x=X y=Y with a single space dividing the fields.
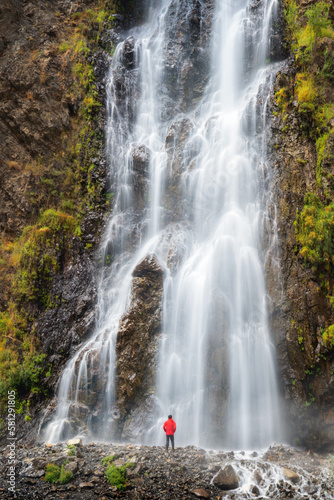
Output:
x=300 y=309
x=136 y=347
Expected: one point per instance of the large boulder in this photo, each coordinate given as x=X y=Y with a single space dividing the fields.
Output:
x=226 y=479
x=291 y=476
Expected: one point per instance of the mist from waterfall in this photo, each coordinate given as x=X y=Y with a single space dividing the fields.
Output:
x=216 y=368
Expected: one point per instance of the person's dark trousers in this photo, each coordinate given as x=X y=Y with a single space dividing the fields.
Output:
x=171 y=438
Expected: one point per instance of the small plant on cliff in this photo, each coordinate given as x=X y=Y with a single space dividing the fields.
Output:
x=55 y=473
x=315 y=232
x=71 y=450
x=65 y=475
x=305 y=35
x=108 y=460
x=117 y=476
x=52 y=473
x=328 y=67
x=38 y=253
x=21 y=373
x=328 y=337
x=317 y=16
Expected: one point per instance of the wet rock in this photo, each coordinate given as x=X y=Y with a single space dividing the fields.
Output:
x=200 y=493
x=258 y=476
x=74 y=442
x=140 y=164
x=72 y=467
x=226 y=479
x=136 y=342
x=86 y=485
x=255 y=490
x=186 y=54
x=291 y=476
x=152 y=480
x=95 y=480
x=129 y=52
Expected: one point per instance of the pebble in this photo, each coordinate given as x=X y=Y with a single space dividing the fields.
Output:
x=200 y=493
x=86 y=485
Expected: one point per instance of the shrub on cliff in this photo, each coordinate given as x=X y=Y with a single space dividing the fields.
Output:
x=117 y=476
x=52 y=473
x=55 y=473
x=315 y=232
x=40 y=251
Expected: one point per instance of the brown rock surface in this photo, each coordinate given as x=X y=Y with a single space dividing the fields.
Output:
x=299 y=308
x=34 y=110
x=226 y=479
x=291 y=476
x=138 y=334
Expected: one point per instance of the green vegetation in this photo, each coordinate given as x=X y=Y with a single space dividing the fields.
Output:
x=108 y=460
x=66 y=186
x=55 y=473
x=117 y=476
x=20 y=372
x=71 y=450
x=315 y=232
x=310 y=31
x=311 y=35
x=315 y=235
x=38 y=253
x=328 y=337
x=306 y=27
x=65 y=475
x=52 y=473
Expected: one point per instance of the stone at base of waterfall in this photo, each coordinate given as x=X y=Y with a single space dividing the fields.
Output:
x=226 y=479
x=257 y=476
x=200 y=493
x=72 y=467
x=255 y=490
x=74 y=442
x=291 y=476
x=86 y=485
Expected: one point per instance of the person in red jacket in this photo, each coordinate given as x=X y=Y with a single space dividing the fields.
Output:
x=169 y=427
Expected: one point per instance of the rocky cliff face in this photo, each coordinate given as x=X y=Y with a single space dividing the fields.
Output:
x=54 y=58
x=40 y=164
x=301 y=308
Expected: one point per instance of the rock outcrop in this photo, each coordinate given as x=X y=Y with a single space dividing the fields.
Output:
x=136 y=347
x=299 y=310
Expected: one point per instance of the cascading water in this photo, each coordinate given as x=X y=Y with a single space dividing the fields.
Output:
x=216 y=363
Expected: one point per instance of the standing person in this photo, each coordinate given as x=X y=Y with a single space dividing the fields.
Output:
x=169 y=427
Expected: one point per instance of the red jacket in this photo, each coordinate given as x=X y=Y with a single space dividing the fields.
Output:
x=169 y=427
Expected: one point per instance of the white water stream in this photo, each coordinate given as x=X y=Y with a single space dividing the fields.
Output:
x=216 y=366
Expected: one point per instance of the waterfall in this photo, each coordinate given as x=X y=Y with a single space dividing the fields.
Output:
x=197 y=123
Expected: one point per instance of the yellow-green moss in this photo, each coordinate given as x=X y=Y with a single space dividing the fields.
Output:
x=315 y=232
x=37 y=252
x=328 y=337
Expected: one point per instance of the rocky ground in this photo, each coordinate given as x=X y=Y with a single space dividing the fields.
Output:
x=189 y=472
